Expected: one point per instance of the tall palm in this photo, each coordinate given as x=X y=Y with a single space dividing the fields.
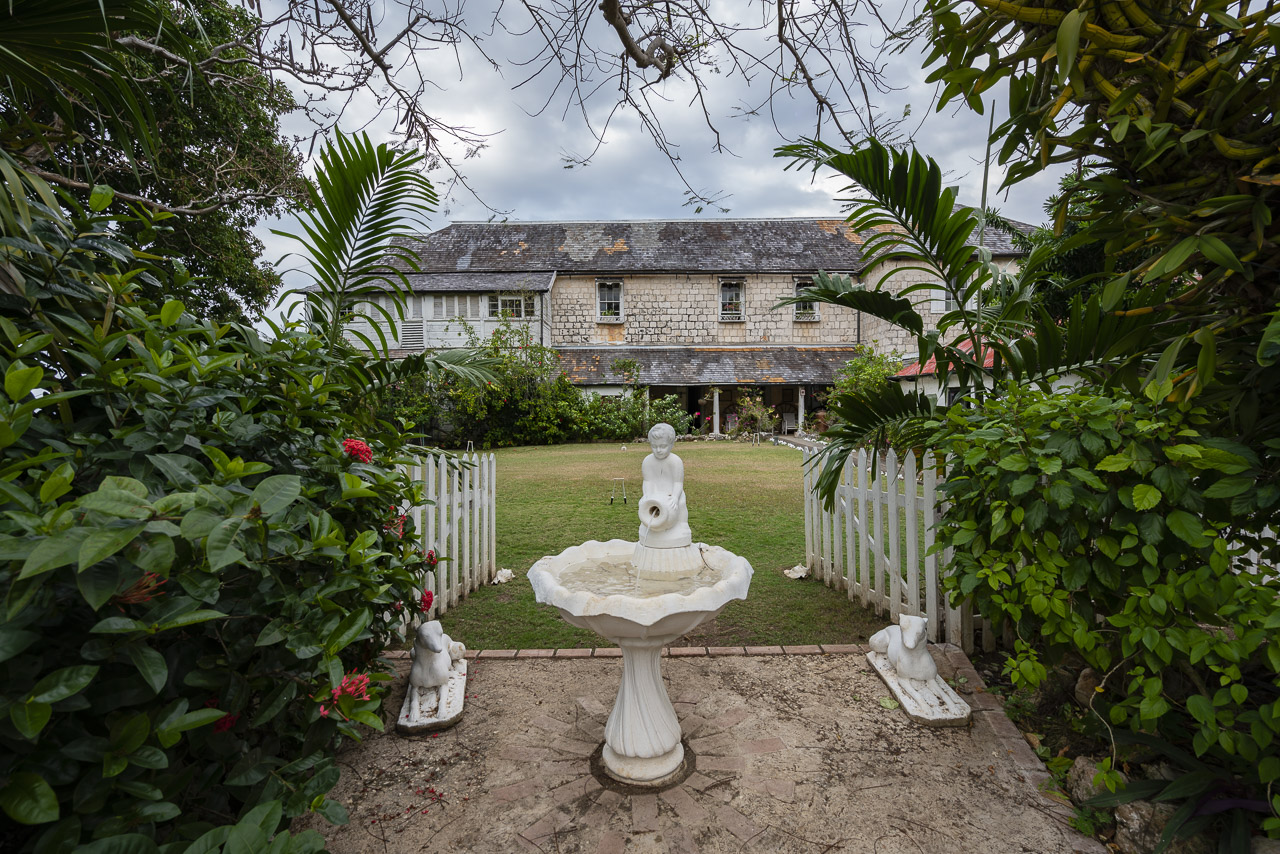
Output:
x=913 y=223
x=363 y=197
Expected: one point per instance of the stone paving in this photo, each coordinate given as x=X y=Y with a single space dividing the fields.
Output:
x=793 y=751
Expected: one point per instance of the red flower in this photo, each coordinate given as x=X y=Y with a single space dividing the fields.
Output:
x=396 y=524
x=223 y=723
x=357 y=449
x=431 y=559
x=427 y=599
x=353 y=685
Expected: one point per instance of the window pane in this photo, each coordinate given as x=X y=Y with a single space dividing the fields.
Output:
x=609 y=299
x=731 y=299
x=807 y=309
x=494 y=309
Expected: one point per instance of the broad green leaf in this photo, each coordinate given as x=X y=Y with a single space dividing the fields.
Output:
x=275 y=703
x=1114 y=462
x=102 y=543
x=128 y=843
x=28 y=799
x=888 y=703
x=1229 y=487
x=171 y=311
x=19 y=381
x=220 y=546
x=1068 y=43
x=14 y=641
x=1145 y=496
x=54 y=551
x=1216 y=251
x=150 y=664
x=100 y=197
x=30 y=717
x=98 y=584
x=347 y=631
x=117 y=626
x=190 y=619
x=63 y=683
x=1188 y=528
x=277 y=492
x=117 y=502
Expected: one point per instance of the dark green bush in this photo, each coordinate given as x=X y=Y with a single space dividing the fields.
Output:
x=198 y=577
x=1115 y=528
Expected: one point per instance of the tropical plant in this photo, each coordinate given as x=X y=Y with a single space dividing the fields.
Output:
x=362 y=199
x=199 y=574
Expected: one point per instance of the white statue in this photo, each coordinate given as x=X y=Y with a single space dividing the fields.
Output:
x=900 y=654
x=437 y=681
x=665 y=543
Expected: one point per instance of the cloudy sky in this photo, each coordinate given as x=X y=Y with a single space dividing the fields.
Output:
x=522 y=174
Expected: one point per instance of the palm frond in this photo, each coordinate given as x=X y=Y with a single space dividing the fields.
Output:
x=363 y=198
x=837 y=289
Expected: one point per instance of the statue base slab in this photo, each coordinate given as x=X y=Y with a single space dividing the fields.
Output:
x=930 y=703
x=432 y=715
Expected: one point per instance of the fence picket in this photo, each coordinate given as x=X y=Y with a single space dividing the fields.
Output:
x=890 y=475
x=864 y=533
x=849 y=512
x=911 y=503
x=932 y=583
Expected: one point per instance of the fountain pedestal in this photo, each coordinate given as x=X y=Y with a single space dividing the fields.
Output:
x=642 y=737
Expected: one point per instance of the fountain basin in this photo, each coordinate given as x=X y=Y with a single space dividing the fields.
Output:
x=642 y=737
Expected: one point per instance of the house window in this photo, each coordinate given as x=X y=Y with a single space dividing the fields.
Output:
x=805 y=310
x=515 y=307
x=608 y=300
x=731 y=298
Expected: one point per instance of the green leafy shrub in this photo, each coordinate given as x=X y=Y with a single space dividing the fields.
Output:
x=198 y=575
x=529 y=401
x=1115 y=528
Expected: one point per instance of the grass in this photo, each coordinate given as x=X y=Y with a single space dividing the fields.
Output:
x=744 y=498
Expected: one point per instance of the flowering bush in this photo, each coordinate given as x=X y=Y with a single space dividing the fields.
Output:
x=188 y=562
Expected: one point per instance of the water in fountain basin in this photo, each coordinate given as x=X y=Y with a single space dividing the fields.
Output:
x=610 y=577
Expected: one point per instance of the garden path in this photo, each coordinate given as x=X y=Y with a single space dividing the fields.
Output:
x=794 y=753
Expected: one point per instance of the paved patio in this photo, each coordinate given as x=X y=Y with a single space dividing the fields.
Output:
x=794 y=752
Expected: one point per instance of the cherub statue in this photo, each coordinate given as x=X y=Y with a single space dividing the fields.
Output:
x=664 y=517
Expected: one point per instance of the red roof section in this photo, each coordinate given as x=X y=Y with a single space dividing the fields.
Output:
x=931 y=366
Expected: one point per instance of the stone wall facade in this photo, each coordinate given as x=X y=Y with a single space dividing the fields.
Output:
x=684 y=309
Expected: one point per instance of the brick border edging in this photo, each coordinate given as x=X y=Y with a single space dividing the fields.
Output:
x=667 y=652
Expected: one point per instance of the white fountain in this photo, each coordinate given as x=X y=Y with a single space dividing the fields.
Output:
x=642 y=596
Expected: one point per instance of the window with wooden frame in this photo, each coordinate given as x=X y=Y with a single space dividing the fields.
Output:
x=514 y=306
x=731 y=291
x=609 y=300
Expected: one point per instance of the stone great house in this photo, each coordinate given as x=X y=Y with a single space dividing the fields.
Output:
x=690 y=302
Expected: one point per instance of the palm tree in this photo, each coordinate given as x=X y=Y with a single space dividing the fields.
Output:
x=363 y=197
x=995 y=329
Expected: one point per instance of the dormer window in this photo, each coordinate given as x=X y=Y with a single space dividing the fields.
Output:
x=731 y=290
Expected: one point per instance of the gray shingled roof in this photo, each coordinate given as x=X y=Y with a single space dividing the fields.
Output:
x=537 y=282
x=708 y=365
x=710 y=245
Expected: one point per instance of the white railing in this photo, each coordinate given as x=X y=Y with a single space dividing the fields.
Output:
x=876 y=543
x=457 y=524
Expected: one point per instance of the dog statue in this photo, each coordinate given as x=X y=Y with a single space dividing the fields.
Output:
x=907 y=648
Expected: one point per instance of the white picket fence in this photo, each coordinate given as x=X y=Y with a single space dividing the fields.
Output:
x=876 y=541
x=458 y=524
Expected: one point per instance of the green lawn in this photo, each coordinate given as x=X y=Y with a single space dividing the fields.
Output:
x=746 y=499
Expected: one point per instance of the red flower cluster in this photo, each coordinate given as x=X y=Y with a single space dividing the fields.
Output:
x=431 y=559
x=223 y=723
x=144 y=589
x=358 y=449
x=427 y=599
x=353 y=685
